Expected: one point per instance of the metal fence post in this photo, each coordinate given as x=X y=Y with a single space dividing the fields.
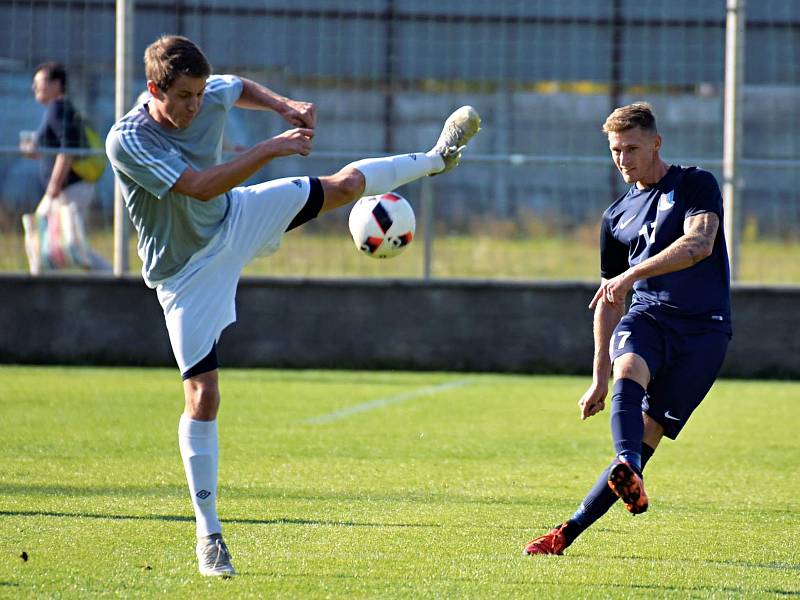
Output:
x=124 y=52
x=427 y=224
x=734 y=79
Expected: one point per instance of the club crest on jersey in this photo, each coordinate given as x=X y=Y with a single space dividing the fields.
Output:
x=666 y=201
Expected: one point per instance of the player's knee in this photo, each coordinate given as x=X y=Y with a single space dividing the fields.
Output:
x=350 y=182
x=203 y=405
x=632 y=366
x=202 y=399
x=342 y=188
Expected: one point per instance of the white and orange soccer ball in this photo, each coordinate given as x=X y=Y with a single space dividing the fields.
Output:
x=382 y=226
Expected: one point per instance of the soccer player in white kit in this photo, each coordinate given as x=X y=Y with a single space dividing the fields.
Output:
x=197 y=229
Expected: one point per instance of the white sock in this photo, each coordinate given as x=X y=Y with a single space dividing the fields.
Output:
x=389 y=173
x=199 y=450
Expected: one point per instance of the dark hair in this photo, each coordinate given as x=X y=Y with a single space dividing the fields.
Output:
x=638 y=114
x=171 y=56
x=55 y=72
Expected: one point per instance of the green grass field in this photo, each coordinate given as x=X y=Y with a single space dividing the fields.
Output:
x=460 y=256
x=386 y=485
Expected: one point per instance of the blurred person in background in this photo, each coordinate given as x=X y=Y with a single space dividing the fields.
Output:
x=62 y=127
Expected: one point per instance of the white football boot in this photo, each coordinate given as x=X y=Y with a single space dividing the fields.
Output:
x=459 y=128
x=213 y=557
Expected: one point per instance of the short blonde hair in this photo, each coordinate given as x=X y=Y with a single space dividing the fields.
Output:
x=638 y=114
x=171 y=56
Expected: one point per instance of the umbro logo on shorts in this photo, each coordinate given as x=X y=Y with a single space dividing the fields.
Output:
x=298 y=182
x=203 y=494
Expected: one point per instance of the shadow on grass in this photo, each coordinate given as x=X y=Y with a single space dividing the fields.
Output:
x=21 y=489
x=233 y=492
x=710 y=561
x=655 y=587
x=525 y=586
x=181 y=518
x=702 y=588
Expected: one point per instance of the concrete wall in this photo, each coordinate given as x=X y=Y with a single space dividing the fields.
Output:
x=443 y=325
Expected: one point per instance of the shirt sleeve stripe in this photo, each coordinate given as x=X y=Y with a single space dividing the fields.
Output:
x=125 y=140
x=126 y=133
x=132 y=145
x=172 y=174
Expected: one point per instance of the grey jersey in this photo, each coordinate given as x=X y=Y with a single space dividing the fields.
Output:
x=148 y=159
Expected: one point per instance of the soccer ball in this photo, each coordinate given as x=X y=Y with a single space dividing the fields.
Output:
x=382 y=226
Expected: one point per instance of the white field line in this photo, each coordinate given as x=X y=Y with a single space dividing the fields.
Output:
x=382 y=402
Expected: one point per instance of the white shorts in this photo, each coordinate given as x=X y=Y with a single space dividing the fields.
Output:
x=198 y=301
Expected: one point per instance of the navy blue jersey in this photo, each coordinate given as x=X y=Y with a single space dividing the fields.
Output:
x=61 y=127
x=642 y=223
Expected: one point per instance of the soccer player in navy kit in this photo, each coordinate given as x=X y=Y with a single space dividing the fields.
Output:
x=662 y=239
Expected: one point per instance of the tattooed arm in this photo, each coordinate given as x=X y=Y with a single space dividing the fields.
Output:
x=696 y=243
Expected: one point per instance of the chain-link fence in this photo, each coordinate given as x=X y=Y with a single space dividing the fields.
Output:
x=385 y=73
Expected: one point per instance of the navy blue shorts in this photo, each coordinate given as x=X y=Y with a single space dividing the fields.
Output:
x=209 y=363
x=684 y=357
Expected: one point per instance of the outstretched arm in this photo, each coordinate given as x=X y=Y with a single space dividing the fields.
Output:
x=606 y=317
x=210 y=183
x=696 y=244
x=258 y=97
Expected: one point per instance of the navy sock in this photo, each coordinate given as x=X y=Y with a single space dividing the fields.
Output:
x=598 y=501
x=627 y=424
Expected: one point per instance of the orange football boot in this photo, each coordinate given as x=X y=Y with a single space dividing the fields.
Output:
x=629 y=486
x=552 y=542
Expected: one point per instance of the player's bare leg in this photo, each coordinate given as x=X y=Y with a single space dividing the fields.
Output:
x=342 y=188
x=653 y=431
x=201 y=396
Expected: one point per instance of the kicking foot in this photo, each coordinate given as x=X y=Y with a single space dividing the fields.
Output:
x=552 y=542
x=213 y=557
x=459 y=128
x=629 y=486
